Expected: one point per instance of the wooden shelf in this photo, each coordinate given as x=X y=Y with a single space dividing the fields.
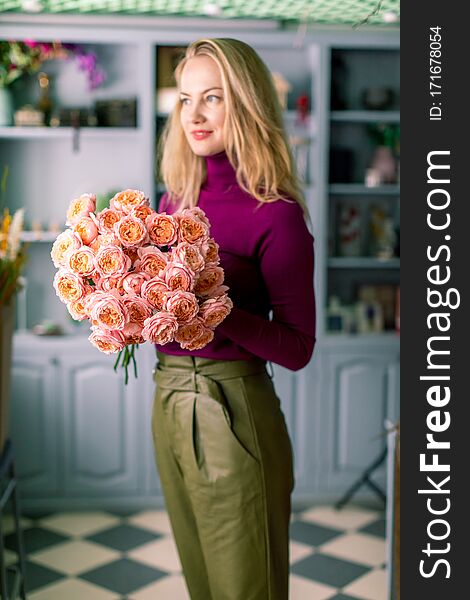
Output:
x=363 y=262
x=361 y=189
x=365 y=116
x=54 y=133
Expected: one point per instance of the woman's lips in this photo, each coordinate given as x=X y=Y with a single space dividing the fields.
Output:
x=200 y=135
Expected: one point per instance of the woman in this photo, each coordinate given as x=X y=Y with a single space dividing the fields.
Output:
x=222 y=448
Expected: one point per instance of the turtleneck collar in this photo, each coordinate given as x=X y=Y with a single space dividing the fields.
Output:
x=220 y=173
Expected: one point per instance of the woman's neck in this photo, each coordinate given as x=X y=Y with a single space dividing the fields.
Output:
x=220 y=173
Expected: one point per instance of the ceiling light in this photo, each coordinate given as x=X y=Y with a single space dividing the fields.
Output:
x=390 y=16
x=211 y=9
x=33 y=6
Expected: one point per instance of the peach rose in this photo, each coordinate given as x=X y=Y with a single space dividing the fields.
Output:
x=162 y=229
x=197 y=213
x=137 y=308
x=132 y=254
x=155 y=291
x=183 y=305
x=106 y=219
x=209 y=280
x=64 y=243
x=108 y=342
x=128 y=200
x=80 y=207
x=178 y=277
x=107 y=312
x=194 y=334
x=133 y=333
x=87 y=230
x=105 y=239
x=132 y=282
x=142 y=212
x=68 y=286
x=190 y=255
x=81 y=261
x=191 y=229
x=77 y=309
x=113 y=282
x=214 y=310
x=151 y=260
x=131 y=231
x=161 y=328
x=111 y=260
x=210 y=251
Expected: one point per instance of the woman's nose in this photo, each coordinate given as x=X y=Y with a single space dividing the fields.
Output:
x=196 y=113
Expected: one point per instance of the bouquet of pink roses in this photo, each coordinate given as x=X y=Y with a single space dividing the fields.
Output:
x=139 y=275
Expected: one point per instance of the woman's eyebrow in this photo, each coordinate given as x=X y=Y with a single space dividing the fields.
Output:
x=208 y=89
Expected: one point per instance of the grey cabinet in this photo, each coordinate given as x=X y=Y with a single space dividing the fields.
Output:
x=360 y=392
x=34 y=422
x=99 y=426
x=81 y=436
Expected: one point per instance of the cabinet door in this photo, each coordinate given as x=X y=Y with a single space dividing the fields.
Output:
x=99 y=437
x=300 y=395
x=361 y=393
x=34 y=423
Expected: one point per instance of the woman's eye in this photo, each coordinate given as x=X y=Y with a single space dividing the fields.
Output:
x=212 y=98
x=183 y=100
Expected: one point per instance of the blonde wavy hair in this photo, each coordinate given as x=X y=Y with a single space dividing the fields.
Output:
x=253 y=121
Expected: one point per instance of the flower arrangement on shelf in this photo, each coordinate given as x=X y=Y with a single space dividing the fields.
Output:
x=12 y=252
x=18 y=58
x=138 y=275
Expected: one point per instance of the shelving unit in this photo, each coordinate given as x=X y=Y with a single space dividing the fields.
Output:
x=362 y=216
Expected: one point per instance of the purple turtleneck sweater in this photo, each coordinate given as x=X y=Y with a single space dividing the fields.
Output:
x=268 y=259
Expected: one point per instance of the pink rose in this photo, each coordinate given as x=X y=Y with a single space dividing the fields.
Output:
x=132 y=282
x=151 y=260
x=131 y=231
x=161 y=328
x=209 y=280
x=162 y=229
x=197 y=213
x=106 y=219
x=80 y=207
x=154 y=291
x=214 y=310
x=111 y=260
x=194 y=334
x=178 y=277
x=68 y=286
x=210 y=251
x=137 y=308
x=142 y=212
x=133 y=333
x=183 y=305
x=128 y=200
x=108 y=312
x=106 y=284
x=82 y=261
x=189 y=255
x=108 y=342
x=191 y=229
x=87 y=230
x=64 y=243
x=105 y=239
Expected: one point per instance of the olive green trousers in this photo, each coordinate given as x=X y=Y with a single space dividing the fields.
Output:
x=225 y=462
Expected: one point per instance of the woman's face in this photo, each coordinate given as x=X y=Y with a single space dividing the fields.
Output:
x=202 y=105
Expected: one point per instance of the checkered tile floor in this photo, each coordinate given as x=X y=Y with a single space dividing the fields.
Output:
x=111 y=556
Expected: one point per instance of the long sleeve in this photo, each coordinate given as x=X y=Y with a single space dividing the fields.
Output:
x=286 y=260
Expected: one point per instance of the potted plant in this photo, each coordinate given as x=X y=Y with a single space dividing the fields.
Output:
x=18 y=58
